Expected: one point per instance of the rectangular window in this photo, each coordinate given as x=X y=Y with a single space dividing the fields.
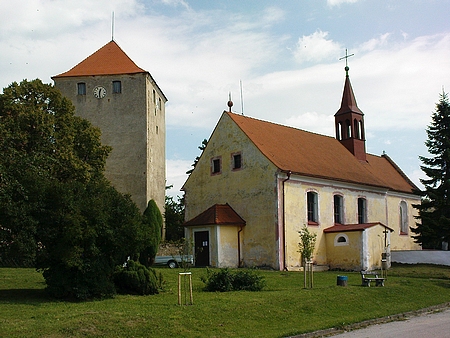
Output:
x=216 y=166
x=117 y=87
x=338 y=209
x=236 y=161
x=311 y=201
x=362 y=211
x=81 y=86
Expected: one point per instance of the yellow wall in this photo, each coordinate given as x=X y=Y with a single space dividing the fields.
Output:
x=381 y=207
x=344 y=256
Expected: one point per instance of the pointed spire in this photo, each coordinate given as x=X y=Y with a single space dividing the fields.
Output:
x=348 y=103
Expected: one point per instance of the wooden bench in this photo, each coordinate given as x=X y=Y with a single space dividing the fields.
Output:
x=370 y=276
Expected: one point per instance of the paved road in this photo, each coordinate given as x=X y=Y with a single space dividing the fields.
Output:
x=432 y=324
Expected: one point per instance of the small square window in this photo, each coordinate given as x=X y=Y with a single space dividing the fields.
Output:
x=236 y=161
x=81 y=86
x=215 y=166
x=117 y=87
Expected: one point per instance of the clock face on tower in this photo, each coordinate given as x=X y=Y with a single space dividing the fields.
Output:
x=99 y=92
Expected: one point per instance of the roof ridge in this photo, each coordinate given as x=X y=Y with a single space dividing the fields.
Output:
x=279 y=124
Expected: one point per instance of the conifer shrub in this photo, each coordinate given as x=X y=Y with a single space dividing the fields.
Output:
x=135 y=278
x=224 y=280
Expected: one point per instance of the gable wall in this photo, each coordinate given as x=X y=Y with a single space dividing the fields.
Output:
x=250 y=191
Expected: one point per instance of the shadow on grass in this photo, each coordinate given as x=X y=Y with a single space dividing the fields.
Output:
x=24 y=296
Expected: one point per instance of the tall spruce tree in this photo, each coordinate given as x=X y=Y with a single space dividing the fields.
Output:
x=434 y=211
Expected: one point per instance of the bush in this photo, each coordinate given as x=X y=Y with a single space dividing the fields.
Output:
x=135 y=278
x=225 y=280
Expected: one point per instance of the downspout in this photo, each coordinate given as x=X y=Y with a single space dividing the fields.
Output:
x=284 y=222
x=239 y=246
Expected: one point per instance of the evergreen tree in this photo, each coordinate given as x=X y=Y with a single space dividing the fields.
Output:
x=153 y=222
x=174 y=218
x=434 y=211
x=201 y=147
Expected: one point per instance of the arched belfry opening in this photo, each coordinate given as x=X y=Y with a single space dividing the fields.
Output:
x=349 y=121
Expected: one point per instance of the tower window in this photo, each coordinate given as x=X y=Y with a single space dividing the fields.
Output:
x=347 y=129
x=117 y=87
x=236 y=161
x=311 y=202
x=81 y=86
x=338 y=209
x=216 y=165
x=339 y=131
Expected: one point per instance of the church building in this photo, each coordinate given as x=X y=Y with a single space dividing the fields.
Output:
x=257 y=184
x=125 y=102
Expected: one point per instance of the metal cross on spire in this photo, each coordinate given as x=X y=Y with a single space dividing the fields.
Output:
x=346 y=61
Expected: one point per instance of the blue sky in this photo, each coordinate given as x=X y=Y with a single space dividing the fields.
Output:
x=286 y=53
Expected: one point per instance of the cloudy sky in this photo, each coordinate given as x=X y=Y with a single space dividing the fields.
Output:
x=285 y=54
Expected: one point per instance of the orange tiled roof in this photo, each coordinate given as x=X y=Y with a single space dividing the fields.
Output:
x=108 y=60
x=218 y=214
x=353 y=227
x=320 y=156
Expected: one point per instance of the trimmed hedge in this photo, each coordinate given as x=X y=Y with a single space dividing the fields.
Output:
x=135 y=278
x=225 y=280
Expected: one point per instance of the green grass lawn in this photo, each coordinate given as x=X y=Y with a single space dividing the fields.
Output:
x=283 y=308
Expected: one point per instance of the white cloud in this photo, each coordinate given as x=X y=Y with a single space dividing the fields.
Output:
x=176 y=3
x=339 y=2
x=374 y=43
x=316 y=47
x=176 y=175
x=320 y=123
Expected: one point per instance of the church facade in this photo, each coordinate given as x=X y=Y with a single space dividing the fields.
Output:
x=257 y=184
x=125 y=102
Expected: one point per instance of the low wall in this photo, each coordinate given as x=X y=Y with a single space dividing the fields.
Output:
x=421 y=256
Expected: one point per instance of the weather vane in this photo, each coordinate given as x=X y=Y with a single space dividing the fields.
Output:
x=346 y=60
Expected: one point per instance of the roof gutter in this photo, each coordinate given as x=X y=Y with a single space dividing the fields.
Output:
x=284 y=219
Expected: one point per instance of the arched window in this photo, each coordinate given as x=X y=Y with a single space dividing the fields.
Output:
x=361 y=130
x=403 y=218
x=348 y=129
x=362 y=210
x=341 y=240
x=311 y=201
x=338 y=209
x=357 y=129
x=339 y=131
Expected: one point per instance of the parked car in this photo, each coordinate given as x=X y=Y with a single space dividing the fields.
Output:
x=173 y=261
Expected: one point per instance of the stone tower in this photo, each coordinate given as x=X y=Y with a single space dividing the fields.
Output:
x=124 y=101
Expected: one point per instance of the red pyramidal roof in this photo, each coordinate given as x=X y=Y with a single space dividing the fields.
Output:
x=108 y=60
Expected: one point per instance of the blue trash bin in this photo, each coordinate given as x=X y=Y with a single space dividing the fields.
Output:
x=342 y=280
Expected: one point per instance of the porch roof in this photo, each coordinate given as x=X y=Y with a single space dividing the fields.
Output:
x=218 y=214
x=353 y=227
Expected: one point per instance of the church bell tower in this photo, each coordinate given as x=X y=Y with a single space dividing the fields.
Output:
x=349 y=122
